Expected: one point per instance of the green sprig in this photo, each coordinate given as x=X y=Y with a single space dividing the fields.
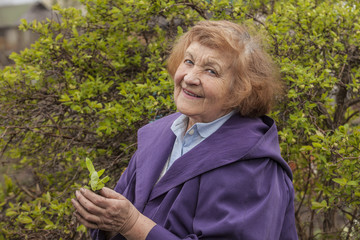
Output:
x=95 y=182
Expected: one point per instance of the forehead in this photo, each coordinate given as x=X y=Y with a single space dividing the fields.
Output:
x=200 y=51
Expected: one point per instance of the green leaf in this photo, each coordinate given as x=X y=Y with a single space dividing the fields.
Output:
x=319 y=206
x=75 y=32
x=94 y=180
x=352 y=183
x=8 y=183
x=306 y=148
x=341 y=181
x=101 y=172
x=81 y=228
x=10 y=213
x=105 y=179
x=48 y=222
x=99 y=186
x=60 y=35
x=48 y=197
x=317 y=145
x=90 y=166
x=24 y=219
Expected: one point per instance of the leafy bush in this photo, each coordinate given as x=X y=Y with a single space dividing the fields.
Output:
x=317 y=46
x=91 y=80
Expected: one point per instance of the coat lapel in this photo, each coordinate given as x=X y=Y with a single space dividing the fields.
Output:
x=155 y=143
x=228 y=144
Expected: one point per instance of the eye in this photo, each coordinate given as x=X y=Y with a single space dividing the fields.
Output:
x=188 y=61
x=212 y=72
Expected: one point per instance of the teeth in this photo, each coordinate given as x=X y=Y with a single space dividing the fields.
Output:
x=191 y=94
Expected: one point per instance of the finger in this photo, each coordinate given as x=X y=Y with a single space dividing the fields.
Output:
x=109 y=193
x=96 y=199
x=81 y=211
x=89 y=194
x=88 y=204
x=84 y=222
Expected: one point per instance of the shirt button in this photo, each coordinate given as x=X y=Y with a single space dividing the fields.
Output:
x=191 y=132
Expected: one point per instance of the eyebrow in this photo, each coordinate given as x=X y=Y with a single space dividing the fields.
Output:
x=211 y=63
x=188 y=53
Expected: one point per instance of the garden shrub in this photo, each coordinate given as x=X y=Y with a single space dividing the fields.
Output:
x=94 y=77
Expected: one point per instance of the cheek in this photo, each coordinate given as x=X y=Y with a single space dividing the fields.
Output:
x=217 y=90
x=176 y=85
x=176 y=80
x=179 y=75
x=177 y=88
x=217 y=94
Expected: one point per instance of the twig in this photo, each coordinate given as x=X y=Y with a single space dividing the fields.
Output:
x=6 y=146
x=353 y=102
x=24 y=189
x=72 y=180
x=351 y=116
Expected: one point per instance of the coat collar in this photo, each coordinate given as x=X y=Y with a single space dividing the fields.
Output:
x=237 y=139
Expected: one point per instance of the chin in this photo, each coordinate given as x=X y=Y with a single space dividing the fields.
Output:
x=187 y=113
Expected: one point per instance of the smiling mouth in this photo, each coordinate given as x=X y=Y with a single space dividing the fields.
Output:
x=191 y=94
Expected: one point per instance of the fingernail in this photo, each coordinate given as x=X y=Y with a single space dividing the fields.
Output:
x=77 y=193
x=82 y=190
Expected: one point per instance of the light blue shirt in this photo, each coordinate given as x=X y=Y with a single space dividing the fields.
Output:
x=184 y=142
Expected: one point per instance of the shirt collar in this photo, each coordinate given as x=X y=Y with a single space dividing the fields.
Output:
x=204 y=129
x=179 y=126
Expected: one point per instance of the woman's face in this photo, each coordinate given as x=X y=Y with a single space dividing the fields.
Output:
x=202 y=83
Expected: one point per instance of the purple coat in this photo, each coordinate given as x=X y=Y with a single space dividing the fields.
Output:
x=233 y=185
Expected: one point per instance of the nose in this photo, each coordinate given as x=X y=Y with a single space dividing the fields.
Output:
x=192 y=77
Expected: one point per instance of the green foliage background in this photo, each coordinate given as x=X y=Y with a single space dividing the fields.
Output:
x=92 y=79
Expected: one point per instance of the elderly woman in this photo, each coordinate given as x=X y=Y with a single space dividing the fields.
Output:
x=213 y=170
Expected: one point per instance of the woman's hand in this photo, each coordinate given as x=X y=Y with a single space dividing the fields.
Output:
x=111 y=212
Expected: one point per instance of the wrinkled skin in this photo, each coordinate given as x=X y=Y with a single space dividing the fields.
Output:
x=202 y=83
x=111 y=212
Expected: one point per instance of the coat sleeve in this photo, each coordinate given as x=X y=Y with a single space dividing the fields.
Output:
x=122 y=185
x=249 y=200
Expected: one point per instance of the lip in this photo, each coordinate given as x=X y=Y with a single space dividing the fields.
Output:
x=190 y=94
